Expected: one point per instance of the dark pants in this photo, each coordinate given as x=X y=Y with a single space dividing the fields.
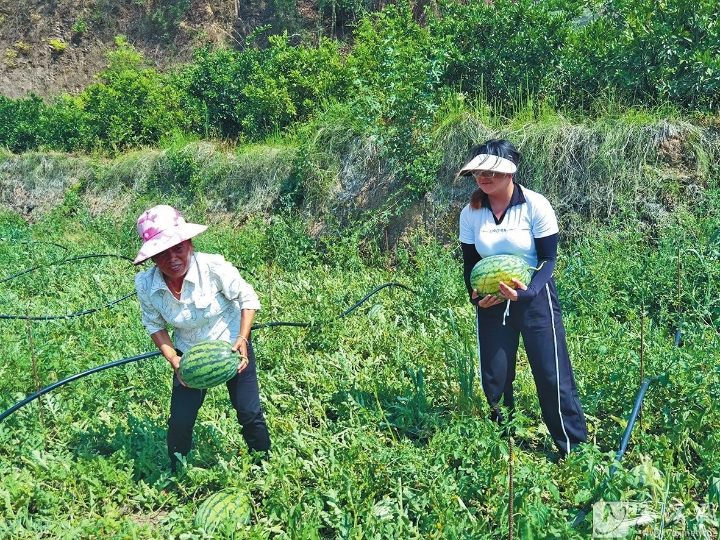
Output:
x=245 y=398
x=539 y=321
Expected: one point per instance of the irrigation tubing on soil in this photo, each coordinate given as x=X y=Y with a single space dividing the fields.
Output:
x=53 y=386
x=123 y=361
x=63 y=261
x=580 y=516
x=69 y=315
x=343 y=314
x=28 y=270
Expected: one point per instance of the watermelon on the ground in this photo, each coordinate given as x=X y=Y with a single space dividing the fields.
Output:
x=487 y=274
x=208 y=364
x=223 y=511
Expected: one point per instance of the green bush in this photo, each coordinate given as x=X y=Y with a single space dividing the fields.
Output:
x=396 y=77
x=647 y=53
x=134 y=105
x=213 y=84
x=20 y=125
x=504 y=50
x=255 y=93
x=67 y=127
x=313 y=77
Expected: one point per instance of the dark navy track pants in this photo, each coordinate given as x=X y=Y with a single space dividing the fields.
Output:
x=539 y=322
x=245 y=398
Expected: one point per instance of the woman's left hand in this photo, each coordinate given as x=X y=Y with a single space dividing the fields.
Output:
x=241 y=347
x=509 y=292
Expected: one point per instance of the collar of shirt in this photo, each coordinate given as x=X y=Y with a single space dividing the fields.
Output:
x=518 y=197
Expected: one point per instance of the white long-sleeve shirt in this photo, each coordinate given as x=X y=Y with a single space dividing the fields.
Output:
x=529 y=216
x=210 y=304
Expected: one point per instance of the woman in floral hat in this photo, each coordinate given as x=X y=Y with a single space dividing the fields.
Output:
x=200 y=297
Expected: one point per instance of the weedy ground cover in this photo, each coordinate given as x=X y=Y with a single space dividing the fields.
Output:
x=378 y=425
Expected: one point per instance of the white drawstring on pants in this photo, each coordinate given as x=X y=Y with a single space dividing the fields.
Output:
x=507 y=311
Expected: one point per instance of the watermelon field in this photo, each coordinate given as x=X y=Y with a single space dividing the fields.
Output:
x=378 y=426
x=323 y=160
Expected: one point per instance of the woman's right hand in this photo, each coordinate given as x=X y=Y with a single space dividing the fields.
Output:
x=162 y=341
x=486 y=301
x=175 y=363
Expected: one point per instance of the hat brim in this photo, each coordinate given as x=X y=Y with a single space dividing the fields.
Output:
x=164 y=241
x=488 y=162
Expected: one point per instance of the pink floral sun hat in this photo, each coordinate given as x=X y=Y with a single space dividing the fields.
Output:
x=161 y=228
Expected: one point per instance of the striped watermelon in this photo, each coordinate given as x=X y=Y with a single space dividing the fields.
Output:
x=487 y=274
x=208 y=364
x=222 y=512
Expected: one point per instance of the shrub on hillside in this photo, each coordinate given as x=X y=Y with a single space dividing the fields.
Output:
x=396 y=79
x=65 y=126
x=134 y=105
x=131 y=106
x=136 y=108
x=255 y=93
x=20 y=122
x=647 y=53
x=503 y=50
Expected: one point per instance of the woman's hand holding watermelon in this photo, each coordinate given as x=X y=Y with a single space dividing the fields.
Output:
x=510 y=292
x=507 y=292
x=175 y=363
x=485 y=301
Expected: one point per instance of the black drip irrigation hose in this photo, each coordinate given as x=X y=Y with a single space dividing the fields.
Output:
x=28 y=270
x=53 y=386
x=122 y=361
x=69 y=315
x=343 y=314
x=582 y=514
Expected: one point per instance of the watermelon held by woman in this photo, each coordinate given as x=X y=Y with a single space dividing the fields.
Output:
x=208 y=364
x=488 y=272
x=223 y=512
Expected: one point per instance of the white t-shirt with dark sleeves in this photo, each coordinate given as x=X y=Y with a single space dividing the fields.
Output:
x=529 y=216
x=209 y=307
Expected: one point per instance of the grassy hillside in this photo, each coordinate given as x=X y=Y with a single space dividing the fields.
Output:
x=49 y=48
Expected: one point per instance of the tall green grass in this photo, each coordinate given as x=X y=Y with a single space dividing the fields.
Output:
x=379 y=427
x=377 y=418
